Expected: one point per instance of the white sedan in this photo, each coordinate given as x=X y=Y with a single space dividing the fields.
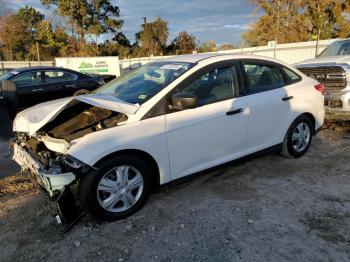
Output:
x=164 y=121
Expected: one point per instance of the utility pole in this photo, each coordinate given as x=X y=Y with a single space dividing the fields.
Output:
x=319 y=29
x=277 y=28
x=37 y=51
x=145 y=28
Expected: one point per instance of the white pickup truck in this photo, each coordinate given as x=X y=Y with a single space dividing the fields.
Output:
x=332 y=69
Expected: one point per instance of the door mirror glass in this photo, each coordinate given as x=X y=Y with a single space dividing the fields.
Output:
x=181 y=101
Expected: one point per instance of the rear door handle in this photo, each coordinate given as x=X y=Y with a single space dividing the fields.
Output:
x=287 y=98
x=69 y=85
x=233 y=112
x=37 y=90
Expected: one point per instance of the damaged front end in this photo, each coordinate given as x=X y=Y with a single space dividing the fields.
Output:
x=53 y=171
x=44 y=148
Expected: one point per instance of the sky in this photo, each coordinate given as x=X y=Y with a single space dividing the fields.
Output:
x=220 y=20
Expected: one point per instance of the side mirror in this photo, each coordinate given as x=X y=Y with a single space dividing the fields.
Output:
x=181 y=101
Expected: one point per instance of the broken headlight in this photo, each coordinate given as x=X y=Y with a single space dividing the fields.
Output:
x=76 y=164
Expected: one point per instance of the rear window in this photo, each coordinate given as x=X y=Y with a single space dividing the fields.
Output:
x=291 y=77
x=262 y=77
x=58 y=76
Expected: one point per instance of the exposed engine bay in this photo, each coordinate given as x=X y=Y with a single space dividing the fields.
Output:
x=81 y=119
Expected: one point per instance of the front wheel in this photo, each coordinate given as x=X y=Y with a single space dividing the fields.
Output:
x=118 y=188
x=298 y=138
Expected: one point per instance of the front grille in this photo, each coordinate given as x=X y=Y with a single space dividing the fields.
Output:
x=332 y=77
x=333 y=102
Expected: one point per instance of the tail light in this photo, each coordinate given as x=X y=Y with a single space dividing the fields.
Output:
x=320 y=88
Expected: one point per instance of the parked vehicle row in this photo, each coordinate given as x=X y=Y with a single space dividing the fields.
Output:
x=25 y=87
x=162 y=122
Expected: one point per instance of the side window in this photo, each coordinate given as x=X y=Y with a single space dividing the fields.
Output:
x=28 y=79
x=262 y=77
x=217 y=85
x=291 y=77
x=58 y=76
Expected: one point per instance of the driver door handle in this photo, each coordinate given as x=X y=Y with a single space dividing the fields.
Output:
x=287 y=98
x=37 y=90
x=233 y=112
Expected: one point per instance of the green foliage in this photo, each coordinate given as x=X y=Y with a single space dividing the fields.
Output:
x=89 y=16
x=29 y=17
x=210 y=46
x=298 y=20
x=15 y=38
x=154 y=36
x=184 y=43
x=227 y=47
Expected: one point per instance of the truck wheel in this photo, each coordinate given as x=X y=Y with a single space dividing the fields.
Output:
x=117 y=189
x=9 y=93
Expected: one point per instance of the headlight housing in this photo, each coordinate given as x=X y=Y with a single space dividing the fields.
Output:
x=76 y=164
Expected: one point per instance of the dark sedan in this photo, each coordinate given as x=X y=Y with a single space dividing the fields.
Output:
x=35 y=85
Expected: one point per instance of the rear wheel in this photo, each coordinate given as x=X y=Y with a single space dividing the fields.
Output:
x=118 y=188
x=298 y=138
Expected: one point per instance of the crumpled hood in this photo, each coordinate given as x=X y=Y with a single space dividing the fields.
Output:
x=340 y=59
x=34 y=118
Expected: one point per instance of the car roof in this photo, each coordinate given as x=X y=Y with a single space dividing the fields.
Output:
x=34 y=68
x=195 y=58
x=216 y=57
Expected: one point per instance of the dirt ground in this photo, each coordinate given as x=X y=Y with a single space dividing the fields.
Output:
x=266 y=209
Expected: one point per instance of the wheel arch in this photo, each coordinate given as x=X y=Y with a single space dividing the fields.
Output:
x=312 y=119
x=140 y=154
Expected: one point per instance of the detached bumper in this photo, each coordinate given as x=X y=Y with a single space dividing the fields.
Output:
x=53 y=183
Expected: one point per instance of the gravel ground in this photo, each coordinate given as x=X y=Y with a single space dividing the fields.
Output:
x=265 y=209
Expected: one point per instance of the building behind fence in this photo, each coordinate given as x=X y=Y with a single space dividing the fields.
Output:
x=289 y=53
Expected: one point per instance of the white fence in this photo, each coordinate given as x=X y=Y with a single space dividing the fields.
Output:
x=18 y=64
x=289 y=53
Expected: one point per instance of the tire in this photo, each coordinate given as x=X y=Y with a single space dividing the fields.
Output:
x=94 y=191
x=81 y=92
x=9 y=93
x=298 y=146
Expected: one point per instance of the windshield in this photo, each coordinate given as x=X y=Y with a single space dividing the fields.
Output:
x=337 y=48
x=143 y=83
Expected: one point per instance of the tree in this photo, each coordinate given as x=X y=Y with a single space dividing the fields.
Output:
x=89 y=16
x=328 y=18
x=184 y=43
x=282 y=21
x=29 y=17
x=227 y=47
x=210 y=46
x=15 y=37
x=121 y=39
x=110 y=48
x=153 y=37
x=298 y=20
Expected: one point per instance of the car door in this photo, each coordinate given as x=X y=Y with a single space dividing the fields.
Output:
x=215 y=131
x=59 y=83
x=268 y=104
x=29 y=88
